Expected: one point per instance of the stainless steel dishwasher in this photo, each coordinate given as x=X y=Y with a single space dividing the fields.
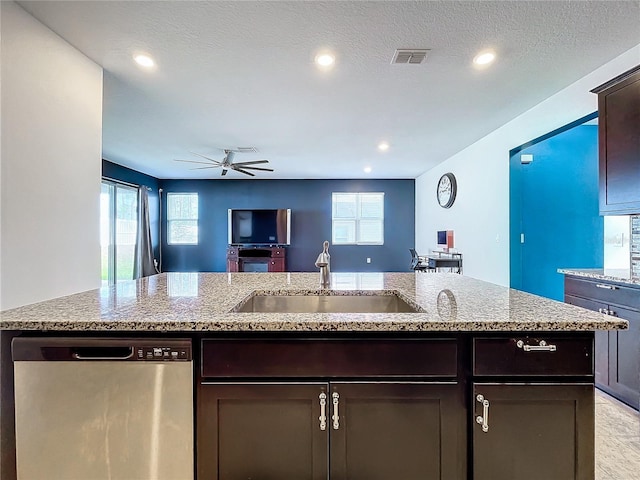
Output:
x=103 y=409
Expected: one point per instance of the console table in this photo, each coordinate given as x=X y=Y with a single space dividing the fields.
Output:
x=256 y=259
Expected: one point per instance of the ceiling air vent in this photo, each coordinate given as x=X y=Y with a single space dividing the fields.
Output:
x=409 y=56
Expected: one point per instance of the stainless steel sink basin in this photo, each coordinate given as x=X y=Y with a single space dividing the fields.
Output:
x=326 y=303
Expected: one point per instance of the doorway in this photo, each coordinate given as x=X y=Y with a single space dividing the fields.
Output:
x=554 y=213
x=118 y=228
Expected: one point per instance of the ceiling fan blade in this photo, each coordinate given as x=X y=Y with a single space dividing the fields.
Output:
x=224 y=172
x=258 y=168
x=193 y=161
x=255 y=162
x=204 y=156
x=245 y=172
x=205 y=168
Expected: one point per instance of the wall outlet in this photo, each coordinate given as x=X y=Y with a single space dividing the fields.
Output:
x=368 y=259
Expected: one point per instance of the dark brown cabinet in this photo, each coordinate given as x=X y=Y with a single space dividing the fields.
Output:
x=601 y=356
x=261 y=431
x=624 y=358
x=532 y=407
x=529 y=431
x=372 y=431
x=617 y=352
x=345 y=409
x=482 y=407
x=256 y=259
x=384 y=431
x=619 y=143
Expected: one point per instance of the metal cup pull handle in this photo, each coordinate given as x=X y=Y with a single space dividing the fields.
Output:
x=606 y=286
x=336 y=418
x=323 y=411
x=484 y=418
x=541 y=347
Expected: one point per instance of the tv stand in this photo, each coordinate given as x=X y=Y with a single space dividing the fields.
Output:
x=256 y=258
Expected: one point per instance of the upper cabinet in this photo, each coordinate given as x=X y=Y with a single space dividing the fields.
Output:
x=619 y=143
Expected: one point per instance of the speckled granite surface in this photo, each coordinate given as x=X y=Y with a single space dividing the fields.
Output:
x=205 y=302
x=613 y=275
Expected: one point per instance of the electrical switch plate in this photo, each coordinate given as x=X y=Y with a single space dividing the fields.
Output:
x=368 y=260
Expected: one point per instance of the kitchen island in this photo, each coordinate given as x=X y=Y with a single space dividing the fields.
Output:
x=476 y=381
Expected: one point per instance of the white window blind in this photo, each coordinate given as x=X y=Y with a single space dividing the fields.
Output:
x=182 y=218
x=357 y=218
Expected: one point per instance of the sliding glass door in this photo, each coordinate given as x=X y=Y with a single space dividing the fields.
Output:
x=118 y=227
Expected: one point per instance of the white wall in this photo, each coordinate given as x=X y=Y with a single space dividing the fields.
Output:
x=480 y=214
x=50 y=163
x=617 y=242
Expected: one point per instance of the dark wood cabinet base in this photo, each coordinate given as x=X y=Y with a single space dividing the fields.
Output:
x=397 y=406
x=617 y=352
x=256 y=259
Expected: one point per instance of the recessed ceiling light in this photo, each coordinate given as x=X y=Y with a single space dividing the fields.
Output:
x=144 y=60
x=484 y=58
x=367 y=169
x=325 y=59
x=383 y=146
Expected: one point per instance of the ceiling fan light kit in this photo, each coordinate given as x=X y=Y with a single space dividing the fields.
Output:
x=227 y=162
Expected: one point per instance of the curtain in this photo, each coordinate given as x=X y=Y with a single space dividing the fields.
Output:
x=143 y=265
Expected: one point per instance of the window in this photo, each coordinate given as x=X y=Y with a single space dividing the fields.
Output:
x=182 y=218
x=357 y=218
x=118 y=230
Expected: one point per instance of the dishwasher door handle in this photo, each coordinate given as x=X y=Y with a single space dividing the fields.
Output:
x=104 y=353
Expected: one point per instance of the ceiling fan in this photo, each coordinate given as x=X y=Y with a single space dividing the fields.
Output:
x=227 y=162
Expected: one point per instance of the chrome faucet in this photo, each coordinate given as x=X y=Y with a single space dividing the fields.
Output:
x=323 y=262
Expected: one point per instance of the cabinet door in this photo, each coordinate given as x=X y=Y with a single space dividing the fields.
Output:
x=388 y=431
x=276 y=265
x=624 y=358
x=601 y=340
x=619 y=139
x=261 y=432
x=531 y=432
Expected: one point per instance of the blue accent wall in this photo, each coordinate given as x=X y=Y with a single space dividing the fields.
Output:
x=124 y=174
x=310 y=204
x=554 y=202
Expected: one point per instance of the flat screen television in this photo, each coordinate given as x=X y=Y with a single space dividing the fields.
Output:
x=259 y=226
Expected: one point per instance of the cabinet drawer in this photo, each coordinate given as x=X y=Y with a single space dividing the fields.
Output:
x=241 y=358
x=277 y=252
x=606 y=292
x=528 y=355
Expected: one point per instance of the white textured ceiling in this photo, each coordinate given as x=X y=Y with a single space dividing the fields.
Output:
x=241 y=73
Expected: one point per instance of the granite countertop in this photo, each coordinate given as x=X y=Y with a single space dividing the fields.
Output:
x=183 y=302
x=619 y=275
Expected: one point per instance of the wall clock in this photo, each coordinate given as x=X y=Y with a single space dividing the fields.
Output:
x=447 y=189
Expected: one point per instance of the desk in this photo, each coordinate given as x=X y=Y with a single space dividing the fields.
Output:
x=436 y=261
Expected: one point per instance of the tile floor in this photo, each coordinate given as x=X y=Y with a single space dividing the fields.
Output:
x=617 y=440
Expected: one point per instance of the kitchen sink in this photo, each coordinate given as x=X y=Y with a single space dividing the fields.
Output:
x=349 y=303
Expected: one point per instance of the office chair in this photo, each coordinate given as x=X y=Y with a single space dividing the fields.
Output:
x=416 y=264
